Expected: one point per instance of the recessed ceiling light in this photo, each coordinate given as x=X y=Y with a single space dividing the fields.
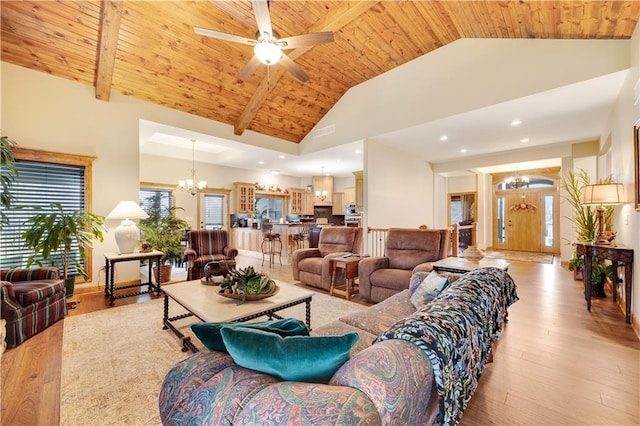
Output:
x=463 y=150
x=275 y=172
x=524 y=140
x=282 y=157
x=358 y=151
x=443 y=138
x=260 y=162
x=516 y=122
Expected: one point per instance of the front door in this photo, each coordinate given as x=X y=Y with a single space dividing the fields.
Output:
x=523 y=219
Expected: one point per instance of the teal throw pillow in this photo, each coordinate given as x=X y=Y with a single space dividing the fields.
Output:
x=209 y=332
x=296 y=358
x=430 y=287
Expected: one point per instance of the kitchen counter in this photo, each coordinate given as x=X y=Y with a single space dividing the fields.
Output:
x=249 y=240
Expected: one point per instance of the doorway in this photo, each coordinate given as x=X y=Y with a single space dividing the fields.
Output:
x=213 y=209
x=527 y=214
x=461 y=211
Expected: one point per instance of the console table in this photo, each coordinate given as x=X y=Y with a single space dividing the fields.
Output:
x=616 y=254
x=112 y=258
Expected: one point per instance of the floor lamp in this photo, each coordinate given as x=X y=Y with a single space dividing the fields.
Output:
x=602 y=195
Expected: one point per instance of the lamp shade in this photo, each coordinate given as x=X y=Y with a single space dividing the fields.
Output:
x=267 y=52
x=602 y=194
x=127 y=233
x=127 y=210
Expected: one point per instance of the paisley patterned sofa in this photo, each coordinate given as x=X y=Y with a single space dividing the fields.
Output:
x=408 y=367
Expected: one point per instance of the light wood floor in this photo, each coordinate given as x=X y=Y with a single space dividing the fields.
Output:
x=556 y=363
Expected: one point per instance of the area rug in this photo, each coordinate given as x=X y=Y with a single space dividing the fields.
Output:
x=114 y=361
x=520 y=256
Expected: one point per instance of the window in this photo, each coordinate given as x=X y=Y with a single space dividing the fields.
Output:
x=156 y=199
x=213 y=211
x=38 y=185
x=269 y=208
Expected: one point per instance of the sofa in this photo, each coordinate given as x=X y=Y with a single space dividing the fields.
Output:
x=312 y=266
x=31 y=300
x=406 y=251
x=206 y=246
x=409 y=366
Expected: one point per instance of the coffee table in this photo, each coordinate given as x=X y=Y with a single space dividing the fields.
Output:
x=461 y=265
x=203 y=302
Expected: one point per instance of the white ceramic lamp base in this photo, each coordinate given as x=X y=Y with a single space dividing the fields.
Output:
x=127 y=235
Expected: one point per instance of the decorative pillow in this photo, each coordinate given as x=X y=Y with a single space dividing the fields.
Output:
x=209 y=332
x=416 y=280
x=430 y=287
x=296 y=358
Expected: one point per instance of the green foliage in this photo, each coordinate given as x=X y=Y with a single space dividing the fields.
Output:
x=52 y=235
x=584 y=218
x=9 y=172
x=599 y=269
x=163 y=230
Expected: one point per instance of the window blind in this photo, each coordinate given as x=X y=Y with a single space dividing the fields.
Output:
x=213 y=210
x=149 y=197
x=36 y=187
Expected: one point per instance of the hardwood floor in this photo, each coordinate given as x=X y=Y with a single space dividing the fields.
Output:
x=555 y=363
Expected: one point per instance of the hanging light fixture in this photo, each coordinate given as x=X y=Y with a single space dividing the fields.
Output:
x=190 y=185
x=267 y=51
x=517 y=181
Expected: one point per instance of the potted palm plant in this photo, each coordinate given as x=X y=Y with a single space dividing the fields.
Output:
x=8 y=163
x=55 y=235
x=163 y=231
x=585 y=221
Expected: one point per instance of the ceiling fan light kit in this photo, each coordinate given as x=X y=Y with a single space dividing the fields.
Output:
x=267 y=46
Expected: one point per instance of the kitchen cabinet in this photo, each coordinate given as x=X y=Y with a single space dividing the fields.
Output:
x=338 y=203
x=296 y=202
x=307 y=203
x=245 y=201
x=350 y=195
x=322 y=184
x=359 y=190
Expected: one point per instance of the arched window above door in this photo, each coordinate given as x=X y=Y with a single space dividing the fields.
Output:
x=525 y=182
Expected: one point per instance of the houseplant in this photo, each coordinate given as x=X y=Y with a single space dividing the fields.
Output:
x=54 y=236
x=164 y=232
x=585 y=221
x=9 y=172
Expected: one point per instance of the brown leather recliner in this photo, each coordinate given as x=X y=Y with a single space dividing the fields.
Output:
x=406 y=251
x=312 y=266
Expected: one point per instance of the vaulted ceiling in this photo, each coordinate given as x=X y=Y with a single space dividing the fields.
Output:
x=148 y=49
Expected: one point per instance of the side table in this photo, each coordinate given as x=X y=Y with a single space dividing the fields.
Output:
x=112 y=258
x=350 y=265
x=616 y=254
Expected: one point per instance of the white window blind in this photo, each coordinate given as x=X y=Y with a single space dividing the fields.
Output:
x=37 y=186
x=213 y=211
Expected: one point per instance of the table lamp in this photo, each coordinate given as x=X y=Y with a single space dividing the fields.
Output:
x=601 y=195
x=127 y=233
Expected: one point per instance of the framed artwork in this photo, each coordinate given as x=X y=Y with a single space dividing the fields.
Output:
x=636 y=158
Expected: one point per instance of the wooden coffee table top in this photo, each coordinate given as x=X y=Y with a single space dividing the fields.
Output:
x=204 y=302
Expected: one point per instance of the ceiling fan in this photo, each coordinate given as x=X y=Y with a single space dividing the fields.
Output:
x=267 y=46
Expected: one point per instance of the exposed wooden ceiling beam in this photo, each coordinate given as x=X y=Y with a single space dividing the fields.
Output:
x=109 y=30
x=338 y=18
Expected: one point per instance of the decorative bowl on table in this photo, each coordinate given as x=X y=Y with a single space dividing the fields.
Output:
x=247 y=284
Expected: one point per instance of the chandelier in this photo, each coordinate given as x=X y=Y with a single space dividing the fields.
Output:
x=190 y=185
x=517 y=181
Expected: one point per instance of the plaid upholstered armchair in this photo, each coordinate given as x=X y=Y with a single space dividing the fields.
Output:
x=31 y=300
x=206 y=246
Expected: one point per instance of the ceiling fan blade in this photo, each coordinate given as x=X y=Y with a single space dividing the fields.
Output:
x=249 y=68
x=224 y=36
x=305 y=40
x=293 y=68
x=261 y=9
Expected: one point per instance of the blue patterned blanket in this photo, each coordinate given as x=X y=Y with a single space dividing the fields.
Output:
x=456 y=330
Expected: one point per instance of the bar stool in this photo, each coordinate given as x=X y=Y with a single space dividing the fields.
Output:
x=271 y=243
x=302 y=235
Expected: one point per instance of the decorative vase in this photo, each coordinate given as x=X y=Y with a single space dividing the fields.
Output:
x=473 y=254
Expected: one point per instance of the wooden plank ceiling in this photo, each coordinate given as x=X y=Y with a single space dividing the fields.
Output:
x=148 y=50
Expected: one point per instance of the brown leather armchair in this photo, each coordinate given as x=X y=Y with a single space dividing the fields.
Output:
x=312 y=266
x=406 y=251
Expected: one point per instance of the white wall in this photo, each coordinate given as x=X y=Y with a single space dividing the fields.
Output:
x=620 y=132
x=398 y=188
